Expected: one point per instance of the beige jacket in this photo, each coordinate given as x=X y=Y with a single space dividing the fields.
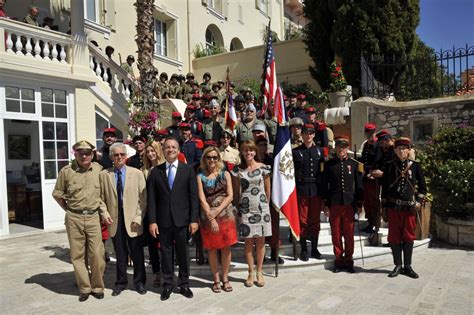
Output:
x=134 y=199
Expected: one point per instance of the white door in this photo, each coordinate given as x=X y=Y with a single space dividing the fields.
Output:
x=55 y=135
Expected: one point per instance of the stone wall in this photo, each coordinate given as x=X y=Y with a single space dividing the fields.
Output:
x=411 y=118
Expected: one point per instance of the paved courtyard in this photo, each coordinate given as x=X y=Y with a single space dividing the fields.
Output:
x=37 y=277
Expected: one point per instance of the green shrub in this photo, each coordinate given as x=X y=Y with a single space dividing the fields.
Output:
x=202 y=51
x=448 y=163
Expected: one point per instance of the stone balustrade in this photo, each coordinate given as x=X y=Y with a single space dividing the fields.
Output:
x=110 y=72
x=34 y=42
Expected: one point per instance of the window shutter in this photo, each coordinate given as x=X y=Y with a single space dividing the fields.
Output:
x=171 y=39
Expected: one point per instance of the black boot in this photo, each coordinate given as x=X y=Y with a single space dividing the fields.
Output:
x=304 y=250
x=273 y=257
x=407 y=254
x=397 y=260
x=314 y=249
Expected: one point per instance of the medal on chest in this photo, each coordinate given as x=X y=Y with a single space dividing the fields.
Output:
x=349 y=169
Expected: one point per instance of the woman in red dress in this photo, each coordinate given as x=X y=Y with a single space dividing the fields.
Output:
x=217 y=218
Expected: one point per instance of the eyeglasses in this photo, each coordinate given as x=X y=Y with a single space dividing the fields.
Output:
x=84 y=153
x=250 y=111
x=212 y=157
x=120 y=154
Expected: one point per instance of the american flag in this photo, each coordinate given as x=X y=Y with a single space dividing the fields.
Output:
x=269 y=74
x=230 y=114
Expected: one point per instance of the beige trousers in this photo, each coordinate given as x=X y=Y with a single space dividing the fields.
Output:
x=84 y=230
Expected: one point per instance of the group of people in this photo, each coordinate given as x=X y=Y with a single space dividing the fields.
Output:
x=31 y=17
x=198 y=180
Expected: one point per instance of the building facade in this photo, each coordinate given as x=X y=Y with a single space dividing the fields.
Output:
x=58 y=85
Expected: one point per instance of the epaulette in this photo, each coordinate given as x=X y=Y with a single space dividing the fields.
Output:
x=360 y=166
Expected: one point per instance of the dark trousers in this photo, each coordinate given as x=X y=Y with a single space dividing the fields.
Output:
x=341 y=218
x=153 y=247
x=123 y=245
x=274 y=240
x=371 y=202
x=169 y=237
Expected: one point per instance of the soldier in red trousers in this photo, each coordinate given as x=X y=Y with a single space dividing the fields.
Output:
x=403 y=192
x=343 y=192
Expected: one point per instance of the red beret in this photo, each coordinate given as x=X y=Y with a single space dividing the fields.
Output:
x=191 y=107
x=199 y=143
x=206 y=113
x=383 y=134
x=311 y=110
x=301 y=97
x=210 y=143
x=341 y=140
x=184 y=125
x=162 y=132
x=403 y=141
x=320 y=126
x=176 y=115
x=309 y=127
x=370 y=126
x=110 y=130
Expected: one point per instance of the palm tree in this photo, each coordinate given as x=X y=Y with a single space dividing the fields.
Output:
x=146 y=45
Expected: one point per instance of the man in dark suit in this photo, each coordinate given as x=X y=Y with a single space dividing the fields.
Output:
x=173 y=208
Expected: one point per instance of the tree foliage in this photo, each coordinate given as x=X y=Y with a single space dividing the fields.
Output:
x=347 y=29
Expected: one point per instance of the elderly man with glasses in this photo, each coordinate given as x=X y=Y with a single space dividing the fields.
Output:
x=77 y=191
x=245 y=127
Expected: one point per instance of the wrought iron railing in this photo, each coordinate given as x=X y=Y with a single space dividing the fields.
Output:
x=443 y=73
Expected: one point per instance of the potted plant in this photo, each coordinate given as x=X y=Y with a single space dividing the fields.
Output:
x=337 y=89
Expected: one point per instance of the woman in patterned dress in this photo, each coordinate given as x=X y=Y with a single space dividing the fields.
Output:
x=217 y=220
x=153 y=156
x=251 y=182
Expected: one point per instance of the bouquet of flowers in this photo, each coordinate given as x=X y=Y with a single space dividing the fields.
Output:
x=142 y=122
x=338 y=81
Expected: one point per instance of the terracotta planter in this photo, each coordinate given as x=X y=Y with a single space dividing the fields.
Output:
x=337 y=99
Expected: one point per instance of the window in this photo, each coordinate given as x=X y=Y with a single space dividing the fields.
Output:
x=160 y=38
x=91 y=8
x=263 y=6
x=236 y=44
x=53 y=103
x=20 y=100
x=210 y=39
x=215 y=4
x=101 y=122
x=55 y=147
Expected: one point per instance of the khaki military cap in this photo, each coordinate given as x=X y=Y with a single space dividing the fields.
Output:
x=83 y=145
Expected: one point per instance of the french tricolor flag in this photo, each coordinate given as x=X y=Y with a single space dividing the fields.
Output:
x=284 y=188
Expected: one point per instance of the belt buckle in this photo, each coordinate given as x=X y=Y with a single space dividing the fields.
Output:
x=84 y=212
x=398 y=202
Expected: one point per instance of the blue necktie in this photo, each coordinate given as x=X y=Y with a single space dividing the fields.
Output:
x=119 y=190
x=171 y=174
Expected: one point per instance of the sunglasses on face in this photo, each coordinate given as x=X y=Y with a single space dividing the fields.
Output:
x=119 y=154
x=84 y=153
x=212 y=157
x=225 y=137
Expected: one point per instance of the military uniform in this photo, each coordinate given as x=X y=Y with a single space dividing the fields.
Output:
x=31 y=19
x=211 y=130
x=403 y=190
x=163 y=88
x=271 y=125
x=307 y=161
x=80 y=190
x=174 y=90
x=244 y=130
x=135 y=161
x=343 y=192
x=298 y=112
x=128 y=68
x=371 y=190
x=191 y=152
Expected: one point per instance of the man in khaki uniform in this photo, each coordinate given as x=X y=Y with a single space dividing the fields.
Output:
x=77 y=191
x=174 y=86
x=163 y=86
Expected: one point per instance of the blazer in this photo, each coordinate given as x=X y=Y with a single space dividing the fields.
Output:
x=134 y=199
x=178 y=206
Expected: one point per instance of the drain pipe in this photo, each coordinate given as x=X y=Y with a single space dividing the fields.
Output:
x=189 y=38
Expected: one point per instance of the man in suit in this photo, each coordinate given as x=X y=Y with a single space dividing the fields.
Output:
x=173 y=210
x=123 y=194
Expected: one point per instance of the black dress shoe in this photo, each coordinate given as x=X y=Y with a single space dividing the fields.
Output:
x=395 y=272
x=304 y=256
x=165 y=294
x=409 y=272
x=98 y=296
x=351 y=269
x=117 y=291
x=280 y=260
x=83 y=296
x=140 y=289
x=337 y=269
x=186 y=291
x=316 y=254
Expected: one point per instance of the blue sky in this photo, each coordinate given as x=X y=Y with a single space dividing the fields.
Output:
x=444 y=23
